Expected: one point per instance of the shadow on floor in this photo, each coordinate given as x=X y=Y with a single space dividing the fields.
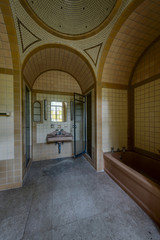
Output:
x=66 y=199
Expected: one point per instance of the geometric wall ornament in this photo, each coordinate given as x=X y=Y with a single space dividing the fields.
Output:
x=93 y=53
x=27 y=37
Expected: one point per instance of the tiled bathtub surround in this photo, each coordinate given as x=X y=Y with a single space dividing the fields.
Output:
x=147 y=116
x=42 y=150
x=114 y=118
x=57 y=81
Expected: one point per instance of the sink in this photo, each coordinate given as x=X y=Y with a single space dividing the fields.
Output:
x=59 y=139
x=59 y=136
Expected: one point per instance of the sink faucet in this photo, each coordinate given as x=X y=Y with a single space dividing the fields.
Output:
x=112 y=149
x=123 y=149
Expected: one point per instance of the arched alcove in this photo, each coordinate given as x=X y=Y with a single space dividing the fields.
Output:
x=61 y=58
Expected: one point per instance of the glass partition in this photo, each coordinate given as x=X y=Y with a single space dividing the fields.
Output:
x=79 y=125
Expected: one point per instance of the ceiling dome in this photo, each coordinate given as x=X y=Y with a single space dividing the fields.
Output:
x=70 y=17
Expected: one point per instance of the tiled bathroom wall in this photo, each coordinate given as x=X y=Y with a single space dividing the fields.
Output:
x=42 y=150
x=5 y=53
x=57 y=81
x=147 y=116
x=114 y=119
x=10 y=167
x=148 y=65
x=6 y=123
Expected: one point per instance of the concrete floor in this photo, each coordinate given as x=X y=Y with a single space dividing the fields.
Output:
x=69 y=200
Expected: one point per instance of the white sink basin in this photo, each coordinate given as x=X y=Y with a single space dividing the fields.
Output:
x=59 y=139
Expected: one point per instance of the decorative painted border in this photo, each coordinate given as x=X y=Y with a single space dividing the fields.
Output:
x=100 y=46
x=22 y=44
x=70 y=36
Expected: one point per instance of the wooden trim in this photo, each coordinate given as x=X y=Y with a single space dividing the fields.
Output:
x=71 y=36
x=114 y=86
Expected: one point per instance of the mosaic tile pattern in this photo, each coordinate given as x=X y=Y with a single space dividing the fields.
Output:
x=147 y=116
x=134 y=36
x=148 y=65
x=93 y=52
x=5 y=52
x=59 y=59
x=27 y=37
x=57 y=81
x=78 y=18
x=6 y=123
x=80 y=45
x=114 y=119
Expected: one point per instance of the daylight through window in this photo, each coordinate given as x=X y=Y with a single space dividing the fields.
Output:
x=56 y=111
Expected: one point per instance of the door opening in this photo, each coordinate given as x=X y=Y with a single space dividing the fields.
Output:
x=27 y=124
x=89 y=124
x=79 y=124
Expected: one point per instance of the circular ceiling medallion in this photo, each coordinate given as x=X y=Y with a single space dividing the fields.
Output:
x=72 y=18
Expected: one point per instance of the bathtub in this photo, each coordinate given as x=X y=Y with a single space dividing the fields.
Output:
x=139 y=176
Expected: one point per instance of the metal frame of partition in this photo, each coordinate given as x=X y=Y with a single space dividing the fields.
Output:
x=27 y=124
x=84 y=102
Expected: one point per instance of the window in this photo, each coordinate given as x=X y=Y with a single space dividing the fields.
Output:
x=37 y=111
x=57 y=111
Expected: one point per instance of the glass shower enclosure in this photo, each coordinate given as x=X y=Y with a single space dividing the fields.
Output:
x=79 y=124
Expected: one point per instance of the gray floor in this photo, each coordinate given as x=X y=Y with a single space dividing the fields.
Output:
x=68 y=199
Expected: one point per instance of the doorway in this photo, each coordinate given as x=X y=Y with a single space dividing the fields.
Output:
x=89 y=124
x=27 y=124
x=82 y=124
x=79 y=124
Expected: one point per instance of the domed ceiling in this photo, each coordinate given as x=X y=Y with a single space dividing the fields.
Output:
x=70 y=17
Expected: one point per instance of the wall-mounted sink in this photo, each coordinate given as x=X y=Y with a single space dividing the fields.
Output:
x=59 y=137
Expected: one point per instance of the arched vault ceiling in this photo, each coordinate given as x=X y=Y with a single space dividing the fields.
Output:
x=140 y=29
x=59 y=58
x=32 y=34
x=79 y=17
